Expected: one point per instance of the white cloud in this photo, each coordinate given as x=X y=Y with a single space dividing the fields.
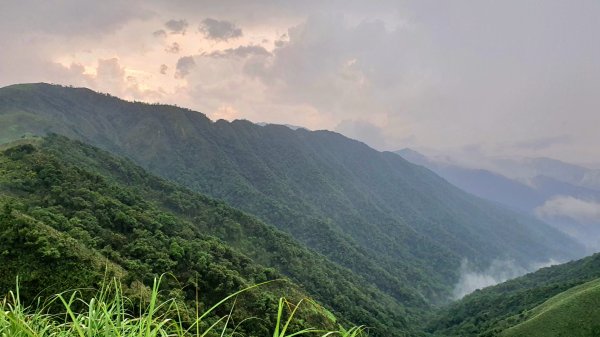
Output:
x=498 y=271
x=570 y=207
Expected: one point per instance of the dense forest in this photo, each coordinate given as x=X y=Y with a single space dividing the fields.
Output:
x=71 y=214
x=138 y=191
x=395 y=224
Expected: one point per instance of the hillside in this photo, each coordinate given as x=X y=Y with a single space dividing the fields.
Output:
x=530 y=300
x=574 y=313
x=71 y=214
x=395 y=224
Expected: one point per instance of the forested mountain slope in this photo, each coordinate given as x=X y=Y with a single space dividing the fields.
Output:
x=490 y=311
x=573 y=313
x=71 y=214
x=397 y=225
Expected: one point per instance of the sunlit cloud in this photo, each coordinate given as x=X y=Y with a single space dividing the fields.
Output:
x=391 y=75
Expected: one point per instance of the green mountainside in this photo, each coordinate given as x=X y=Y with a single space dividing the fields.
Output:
x=395 y=224
x=71 y=214
x=573 y=313
x=557 y=298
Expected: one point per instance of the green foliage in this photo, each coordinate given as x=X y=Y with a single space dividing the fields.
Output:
x=573 y=313
x=489 y=311
x=109 y=313
x=396 y=225
x=71 y=213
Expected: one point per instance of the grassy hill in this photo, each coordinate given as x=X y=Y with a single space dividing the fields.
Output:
x=531 y=300
x=394 y=224
x=71 y=215
x=573 y=313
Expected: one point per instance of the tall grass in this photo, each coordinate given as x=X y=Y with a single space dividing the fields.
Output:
x=108 y=314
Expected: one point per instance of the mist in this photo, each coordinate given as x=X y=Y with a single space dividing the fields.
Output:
x=498 y=271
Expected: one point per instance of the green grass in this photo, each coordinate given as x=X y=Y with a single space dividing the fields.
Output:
x=572 y=313
x=111 y=314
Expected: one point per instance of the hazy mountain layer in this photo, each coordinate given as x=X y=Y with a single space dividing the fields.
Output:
x=561 y=194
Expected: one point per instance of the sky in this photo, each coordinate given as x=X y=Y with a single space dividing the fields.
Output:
x=514 y=77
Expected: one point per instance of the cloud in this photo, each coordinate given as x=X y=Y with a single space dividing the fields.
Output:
x=359 y=75
x=569 y=207
x=219 y=30
x=163 y=69
x=160 y=33
x=109 y=70
x=226 y=112
x=184 y=66
x=174 y=48
x=241 y=51
x=69 y=17
x=176 y=26
x=544 y=142
x=362 y=130
x=498 y=271
x=450 y=73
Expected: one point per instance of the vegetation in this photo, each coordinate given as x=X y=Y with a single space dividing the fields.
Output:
x=490 y=311
x=111 y=313
x=395 y=225
x=70 y=214
x=573 y=313
x=370 y=237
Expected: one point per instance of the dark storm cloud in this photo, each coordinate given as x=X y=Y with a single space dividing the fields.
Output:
x=219 y=30
x=177 y=26
x=184 y=66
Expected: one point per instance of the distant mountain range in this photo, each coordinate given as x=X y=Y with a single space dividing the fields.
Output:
x=293 y=127
x=565 y=195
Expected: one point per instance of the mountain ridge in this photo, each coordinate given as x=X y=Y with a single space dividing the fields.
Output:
x=373 y=212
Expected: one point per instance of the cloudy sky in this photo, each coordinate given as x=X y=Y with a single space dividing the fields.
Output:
x=484 y=77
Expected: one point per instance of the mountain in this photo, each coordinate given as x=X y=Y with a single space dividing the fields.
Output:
x=554 y=191
x=573 y=312
x=561 y=300
x=480 y=182
x=397 y=225
x=293 y=127
x=72 y=214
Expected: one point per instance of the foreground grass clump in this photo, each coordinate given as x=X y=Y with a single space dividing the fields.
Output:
x=110 y=314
